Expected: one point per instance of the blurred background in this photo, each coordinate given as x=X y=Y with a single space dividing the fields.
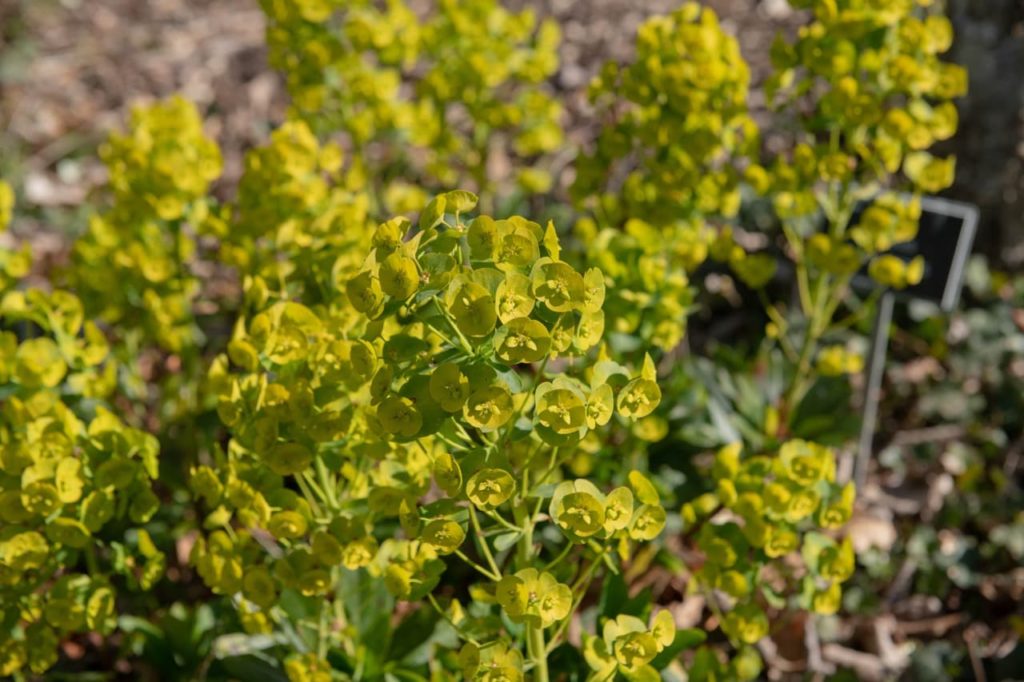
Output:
x=69 y=69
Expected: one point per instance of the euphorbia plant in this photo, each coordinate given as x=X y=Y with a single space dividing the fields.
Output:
x=663 y=166
x=867 y=94
x=75 y=482
x=423 y=96
x=134 y=265
x=418 y=418
x=865 y=87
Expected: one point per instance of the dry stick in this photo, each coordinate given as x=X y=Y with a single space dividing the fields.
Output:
x=929 y=434
x=815 y=662
x=901 y=583
x=976 y=665
x=868 y=667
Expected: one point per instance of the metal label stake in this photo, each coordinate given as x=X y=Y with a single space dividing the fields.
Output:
x=945 y=237
x=873 y=389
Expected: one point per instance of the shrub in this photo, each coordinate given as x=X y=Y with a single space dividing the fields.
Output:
x=432 y=442
x=876 y=96
x=864 y=89
x=424 y=100
x=75 y=482
x=134 y=266
x=434 y=400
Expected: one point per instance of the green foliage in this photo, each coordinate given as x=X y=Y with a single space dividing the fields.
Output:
x=679 y=122
x=778 y=502
x=877 y=96
x=419 y=445
x=299 y=222
x=429 y=368
x=864 y=89
x=129 y=267
x=439 y=90
x=665 y=162
x=75 y=482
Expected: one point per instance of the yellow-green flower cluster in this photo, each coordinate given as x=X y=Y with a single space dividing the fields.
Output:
x=422 y=402
x=163 y=163
x=679 y=122
x=494 y=662
x=130 y=266
x=13 y=264
x=627 y=646
x=438 y=88
x=649 y=270
x=307 y=668
x=300 y=220
x=581 y=511
x=881 y=97
x=838 y=360
x=65 y=481
x=766 y=510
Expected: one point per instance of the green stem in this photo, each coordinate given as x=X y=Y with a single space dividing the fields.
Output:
x=463 y=341
x=797 y=387
x=444 y=614
x=482 y=542
x=579 y=590
x=503 y=521
x=861 y=312
x=538 y=652
x=321 y=633
x=326 y=483
x=553 y=463
x=561 y=555
x=304 y=488
x=535 y=647
x=480 y=569
x=90 y=560
x=820 y=305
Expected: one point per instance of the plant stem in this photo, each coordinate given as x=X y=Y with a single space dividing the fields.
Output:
x=444 y=614
x=503 y=521
x=484 y=547
x=326 y=482
x=480 y=569
x=538 y=652
x=321 y=632
x=815 y=328
x=90 y=560
x=535 y=647
x=819 y=305
x=301 y=480
x=561 y=555
x=579 y=589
